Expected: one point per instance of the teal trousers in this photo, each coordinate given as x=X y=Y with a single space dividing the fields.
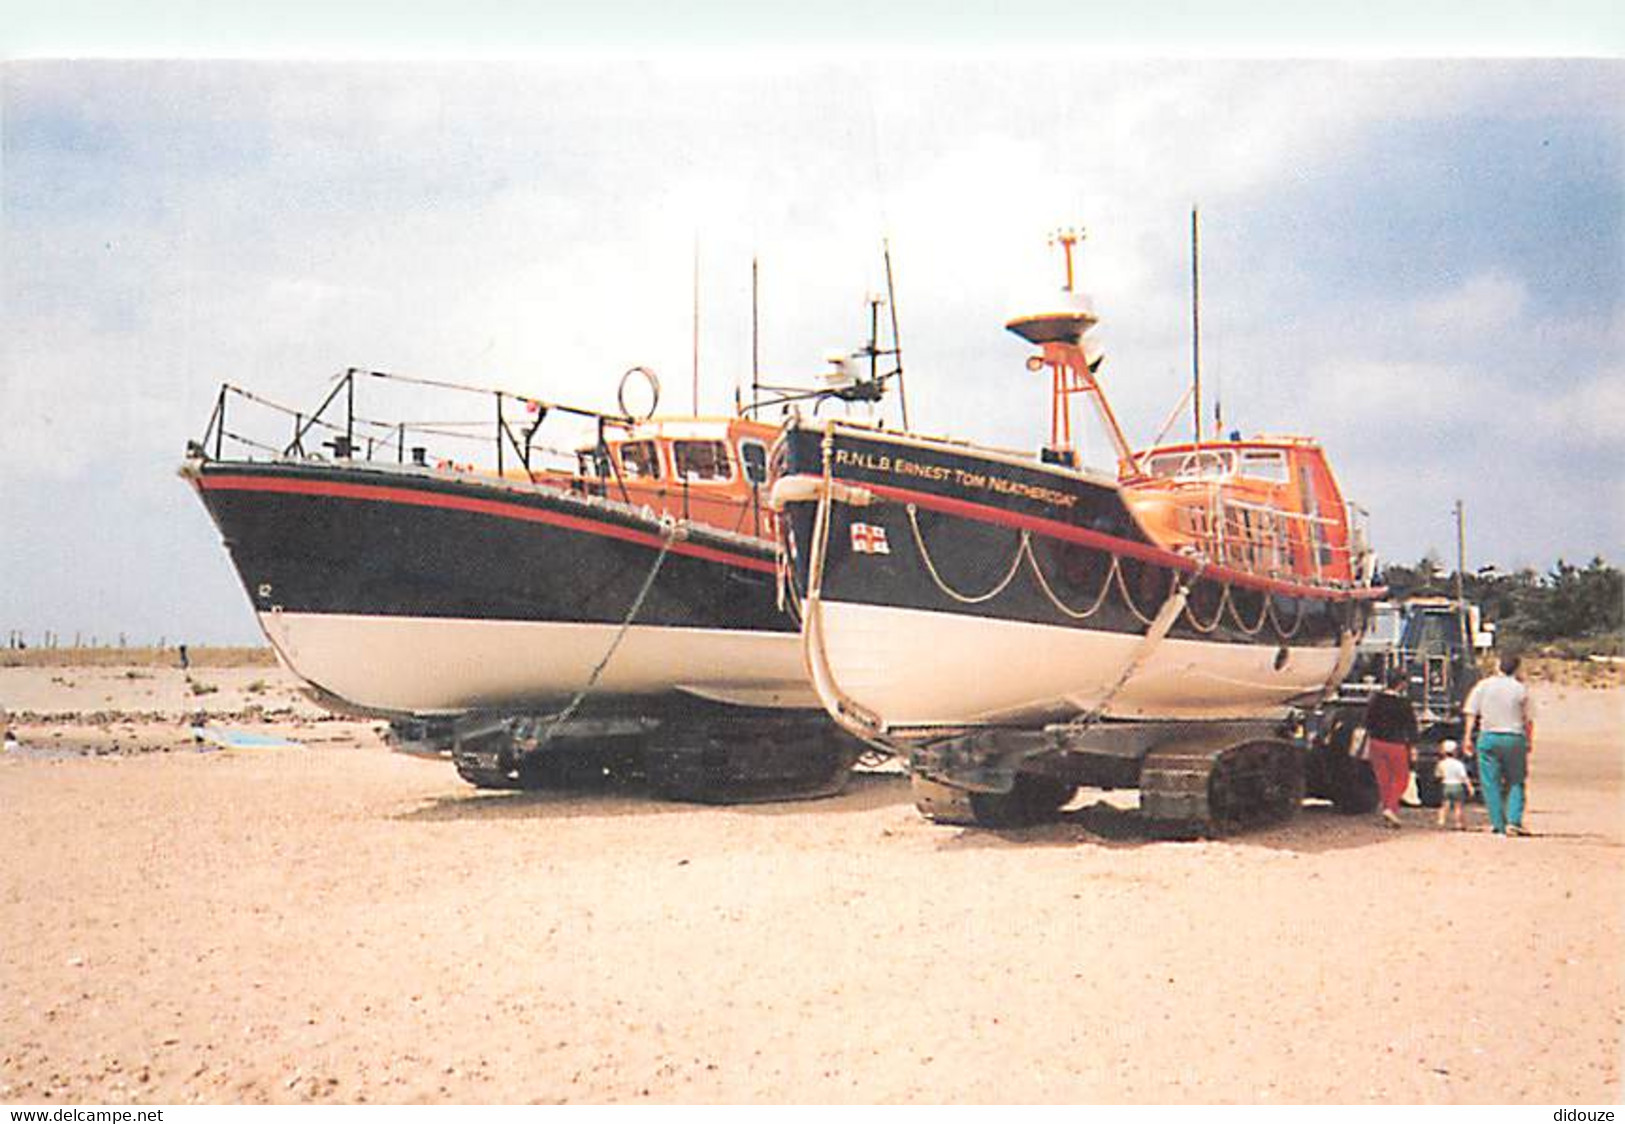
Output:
x=1503 y=765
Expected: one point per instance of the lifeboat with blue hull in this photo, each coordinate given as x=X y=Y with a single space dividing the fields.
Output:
x=525 y=616
x=1016 y=626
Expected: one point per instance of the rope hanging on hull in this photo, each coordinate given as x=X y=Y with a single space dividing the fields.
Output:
x=962 y=598
x=1025 y=552
x=1105 y=588
x=673 y=532
x=1297 y=621
x=847 y=712
x=1178 y=602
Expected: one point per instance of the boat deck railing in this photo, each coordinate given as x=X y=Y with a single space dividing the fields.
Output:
x=503 y=445
x=1262 y=539
x=508 y=434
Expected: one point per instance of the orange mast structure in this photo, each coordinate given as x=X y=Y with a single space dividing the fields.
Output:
x=1060 y=335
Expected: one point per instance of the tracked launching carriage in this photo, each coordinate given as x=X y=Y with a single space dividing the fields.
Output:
x=1015 y=626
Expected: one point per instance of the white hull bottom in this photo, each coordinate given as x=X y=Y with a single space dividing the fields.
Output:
x=427 y=665
x=912 y=667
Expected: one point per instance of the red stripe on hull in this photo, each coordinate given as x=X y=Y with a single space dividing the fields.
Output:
x=1051 y=528
x=378 y=493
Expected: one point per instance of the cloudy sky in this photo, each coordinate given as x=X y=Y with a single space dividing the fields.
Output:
x=1420 y=262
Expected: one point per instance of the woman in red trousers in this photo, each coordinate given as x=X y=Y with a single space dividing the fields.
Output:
x=1390 y=727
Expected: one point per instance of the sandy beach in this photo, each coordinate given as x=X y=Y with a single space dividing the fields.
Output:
x=331 y=921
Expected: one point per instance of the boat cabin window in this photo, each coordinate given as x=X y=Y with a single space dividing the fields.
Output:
x=1265 y=464
x=701 y=460
x=640 y=460
x=753 y=454
x=1191 y=465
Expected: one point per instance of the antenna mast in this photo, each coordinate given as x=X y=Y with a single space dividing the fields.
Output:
x=1196 y=328
x=1461 y=591
x=897 y=344
x=755 y=343
x=1059 y=331
x=696 y=397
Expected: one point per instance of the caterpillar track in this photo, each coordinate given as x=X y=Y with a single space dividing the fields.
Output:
x=1031 y=799
x=1193 y=780
x=750 y=761
x=1188 y=792
x=717 y=759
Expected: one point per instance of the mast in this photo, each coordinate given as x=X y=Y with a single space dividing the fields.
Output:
x=755 y=343
x=897 y=344
x=696 y=393
x=1059 y=330
x=1196 y=329
x=1461 y=594
x=1066 y=380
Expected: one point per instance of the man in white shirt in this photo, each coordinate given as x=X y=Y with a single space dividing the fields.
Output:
x=1501 y=728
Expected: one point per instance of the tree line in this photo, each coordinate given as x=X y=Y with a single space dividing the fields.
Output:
x=1570 y=609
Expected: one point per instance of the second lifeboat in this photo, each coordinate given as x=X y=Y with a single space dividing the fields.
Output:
x=1015 y=625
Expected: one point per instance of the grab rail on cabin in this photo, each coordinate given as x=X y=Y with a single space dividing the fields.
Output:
x=1362 y=558
x=1261 y=539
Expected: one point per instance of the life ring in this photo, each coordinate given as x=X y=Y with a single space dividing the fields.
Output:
x=654 y=392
